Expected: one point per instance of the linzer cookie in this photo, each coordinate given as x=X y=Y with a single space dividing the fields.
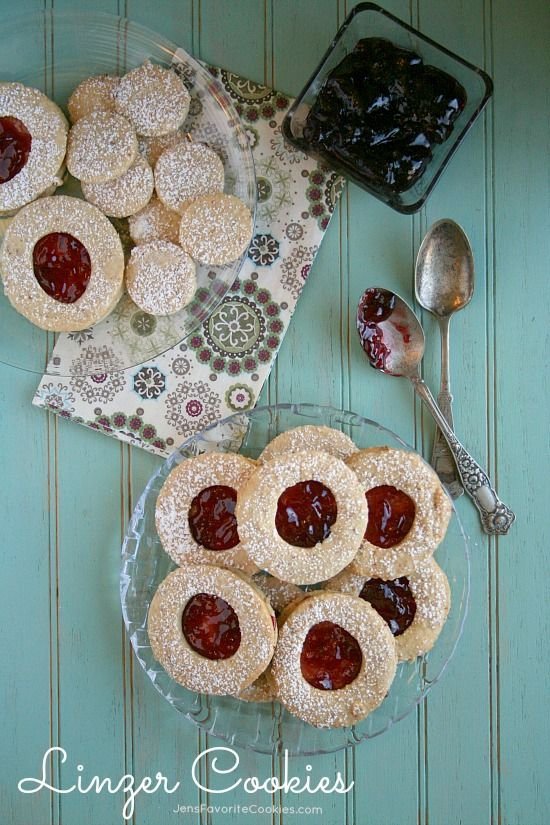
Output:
x=154 y=99
x=335 y=660
x=195 y=512
x=152 y=147
x=160 y=277
x=415 y=607
x=409 y=511
x=33 y=139
x=310 y=437
x=211 y=629
x=302 y=516
x=62 y=264
x=101 y=146
x=216 y=229
x=185 y=171
x=94 y=94
x=125 y=195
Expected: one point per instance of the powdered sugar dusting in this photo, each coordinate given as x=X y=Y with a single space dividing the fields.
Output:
x=334 y=708
x=160 y=277
x=186 y=171
x=153 y=98
x=310 y=437
x=154 y=223
x=124 y=195
x=101 y=146
x=216 y=229
x=406 y=471
x=170 y=648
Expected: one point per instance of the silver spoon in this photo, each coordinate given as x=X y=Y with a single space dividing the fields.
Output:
x=444 y=284
x=393 y=341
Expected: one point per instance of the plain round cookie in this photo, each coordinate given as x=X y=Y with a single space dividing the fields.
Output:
x=160 y=277
x=216 y=229
x=154 y=223
x=48 y=129
x=189 y=668
x=154 y=99
x=310 y=437
x=125 y=195
x=92 y=95
x=257 y=508
x=351 y=703
x=430 y=590
x=185 y=482
x=88 y=225
x=185 y=171
x=409 y=473
x=101 y=146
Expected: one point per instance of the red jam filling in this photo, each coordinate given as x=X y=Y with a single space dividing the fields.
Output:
x=331 y=657
x=62 y=266
x=391 y=515
x=305 y=513
x=211 y=626
x=393 y=600
x=15 y=147
x=376 y=305
x=212 y=518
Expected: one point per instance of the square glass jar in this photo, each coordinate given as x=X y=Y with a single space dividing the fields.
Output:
x=367 y=20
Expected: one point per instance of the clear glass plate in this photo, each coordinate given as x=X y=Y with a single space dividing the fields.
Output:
x=267 y=727
x=53 y=51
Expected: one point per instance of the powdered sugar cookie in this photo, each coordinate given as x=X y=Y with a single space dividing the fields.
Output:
x=153 y=98
x=186 y=171
x=302 y=516
x=33 y=140
x=94 y=94
x=62 y=264
x=160 y=277
x=335 y=660
x=195 y=512
x=216 y=229
x=154 y=223
x=415 y=607
x=212 y=630
x=125 y=195
x=409 y=511
x=101 y=146
x=310 y=437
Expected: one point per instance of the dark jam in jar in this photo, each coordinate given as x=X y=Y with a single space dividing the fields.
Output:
x=381 y=110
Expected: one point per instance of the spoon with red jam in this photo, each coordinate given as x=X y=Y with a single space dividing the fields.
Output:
x=393 y=341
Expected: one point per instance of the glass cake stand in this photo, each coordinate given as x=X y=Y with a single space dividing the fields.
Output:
x=53 y=51
x=267 y=727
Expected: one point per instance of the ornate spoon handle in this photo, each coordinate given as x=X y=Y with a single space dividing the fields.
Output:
x=442 y=458
x=496 y=517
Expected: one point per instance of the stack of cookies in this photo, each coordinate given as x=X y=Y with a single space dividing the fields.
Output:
x=128 y=148
x=304 y=576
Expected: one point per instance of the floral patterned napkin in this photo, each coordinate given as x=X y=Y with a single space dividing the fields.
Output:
x=221 y=368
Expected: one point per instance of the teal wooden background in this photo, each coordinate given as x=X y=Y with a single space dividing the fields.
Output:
x=477 y=751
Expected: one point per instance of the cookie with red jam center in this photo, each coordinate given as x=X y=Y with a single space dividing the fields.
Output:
x=196 y=511
x=415 y=607
x=409 y=511
x=302 y=516
x=33 y=141
x=211 y=629
x=62 y=264
x=334 y=661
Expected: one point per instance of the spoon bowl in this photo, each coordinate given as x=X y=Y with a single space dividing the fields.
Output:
x=444 y=273
x=390 y=333
x=393 y=341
